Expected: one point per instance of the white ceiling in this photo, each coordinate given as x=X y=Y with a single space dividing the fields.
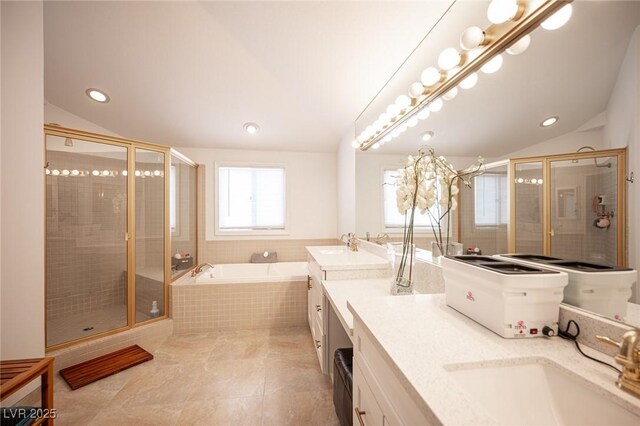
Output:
x=569 y=72
x=192 y=73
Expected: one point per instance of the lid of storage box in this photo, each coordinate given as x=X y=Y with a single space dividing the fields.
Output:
x=574 y=265
x=496 y=265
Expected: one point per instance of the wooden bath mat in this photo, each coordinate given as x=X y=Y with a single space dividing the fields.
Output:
x=82 y=374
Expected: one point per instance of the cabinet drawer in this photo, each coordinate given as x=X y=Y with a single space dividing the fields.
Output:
x=366 y=410
x=319 y=343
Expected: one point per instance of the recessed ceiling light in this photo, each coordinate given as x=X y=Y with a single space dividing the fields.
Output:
x=549 y=121
x=427 y=135
x=251 y=128
x=97 y=95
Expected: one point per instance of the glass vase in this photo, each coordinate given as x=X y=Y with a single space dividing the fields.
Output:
x=402 y=258
x=452 y=249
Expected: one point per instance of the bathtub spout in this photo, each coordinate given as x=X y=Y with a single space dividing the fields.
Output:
x=198 y=269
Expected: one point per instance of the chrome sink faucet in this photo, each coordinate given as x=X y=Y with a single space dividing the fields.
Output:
x=198 y=269
x=351 y=240
x=628 y=357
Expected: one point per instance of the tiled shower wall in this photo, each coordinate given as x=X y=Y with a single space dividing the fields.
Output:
x=240 y=251
x=86 y=263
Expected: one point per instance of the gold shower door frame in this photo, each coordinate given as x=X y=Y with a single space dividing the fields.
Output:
x=621 y=207
x=130 y=145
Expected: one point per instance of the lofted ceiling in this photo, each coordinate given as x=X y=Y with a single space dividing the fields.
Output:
x=192 y=73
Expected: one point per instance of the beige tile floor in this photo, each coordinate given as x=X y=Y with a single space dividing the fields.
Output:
x=256 y=377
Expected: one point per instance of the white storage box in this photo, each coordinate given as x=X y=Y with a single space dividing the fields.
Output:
x=597 y=288
x=512 y=300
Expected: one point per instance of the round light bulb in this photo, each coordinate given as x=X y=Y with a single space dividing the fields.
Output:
x=156 y=172
x=147 y=173
x=448 y=59
x=471 y=38
x=423 y=114
x=403 y=127
x=137 y=173
x=519 y=46
x=430 y=76
x=125 y=173
x=493 y=65
x=534 y=181
x=395 y=133
x=105 y=173
x=539 y=181
x=403 y=102
x=393 y=111
x=387 y=139
x=375 y=145
x=97 y=95
x=355 y=143
x=436 y=105
x=251 y=128
x=416 y=89
x=75 y=172
x=450 y=94
x=558 y=19
x=413 y=121
x=470 y=81
x=95 y=173
x=519 y=180
x=500 y=11
x=549 y=121
x=65 y=172
x=384 y=118
x=55 y=172
x=47 y=171
x=426 y=136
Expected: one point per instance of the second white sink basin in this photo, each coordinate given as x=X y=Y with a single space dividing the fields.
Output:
x=537 y=391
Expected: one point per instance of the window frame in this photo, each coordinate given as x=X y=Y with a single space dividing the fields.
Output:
x=399 y=230
x=255 y=231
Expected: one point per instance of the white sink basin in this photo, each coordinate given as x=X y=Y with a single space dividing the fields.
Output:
x=538 y=391
x=334 y=251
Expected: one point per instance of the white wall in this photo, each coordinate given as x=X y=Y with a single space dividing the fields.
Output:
x=346 y=187
x=311 y=180
x=57 y=115
x=22 y=182
x=369 y=188
x=623 y=129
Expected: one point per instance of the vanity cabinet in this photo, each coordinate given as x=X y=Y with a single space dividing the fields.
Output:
x=340 y=264
x=379 y=398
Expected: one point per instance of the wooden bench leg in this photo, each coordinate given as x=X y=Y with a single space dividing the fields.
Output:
x=46 y=395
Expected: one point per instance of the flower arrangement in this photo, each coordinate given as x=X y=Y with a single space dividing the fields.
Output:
x=428 y=180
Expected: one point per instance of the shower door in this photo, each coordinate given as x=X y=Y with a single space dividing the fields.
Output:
x=86 y=245
x=107 y=234
x=584 y=213
x=570 y=206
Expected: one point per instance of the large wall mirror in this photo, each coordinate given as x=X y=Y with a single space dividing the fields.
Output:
x=584 y=73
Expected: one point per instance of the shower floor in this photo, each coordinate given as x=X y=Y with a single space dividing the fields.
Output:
x=77 y=326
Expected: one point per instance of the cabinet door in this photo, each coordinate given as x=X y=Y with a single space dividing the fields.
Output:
x=366 y=410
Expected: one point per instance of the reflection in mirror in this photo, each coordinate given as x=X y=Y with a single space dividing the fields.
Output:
x=585 y=73
x=182 y=214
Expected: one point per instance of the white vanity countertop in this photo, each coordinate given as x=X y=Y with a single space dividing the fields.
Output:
x=419 y=335
x=342 y=291
x=341 y=258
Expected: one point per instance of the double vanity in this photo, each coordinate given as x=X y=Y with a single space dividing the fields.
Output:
x=418 y=361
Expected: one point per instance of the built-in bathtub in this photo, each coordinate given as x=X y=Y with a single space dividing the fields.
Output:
x=241 y=296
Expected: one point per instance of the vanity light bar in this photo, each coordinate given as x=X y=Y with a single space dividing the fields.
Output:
x=498 y=38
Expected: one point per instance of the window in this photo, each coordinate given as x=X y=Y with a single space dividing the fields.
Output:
x=490 y=195
x=173 y=196
x=392 y=217
x=251 y=198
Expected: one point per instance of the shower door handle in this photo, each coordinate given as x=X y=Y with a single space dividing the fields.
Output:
x=552 y=233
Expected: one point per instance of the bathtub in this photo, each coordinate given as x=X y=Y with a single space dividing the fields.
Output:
x=241 y=296
x=253 y=273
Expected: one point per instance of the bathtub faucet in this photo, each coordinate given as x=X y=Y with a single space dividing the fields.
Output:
x=198 y=269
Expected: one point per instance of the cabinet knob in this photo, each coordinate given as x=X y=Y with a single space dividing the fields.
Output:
x=309 y=286
x=318 y=344
x=360 y=414
x=318 y=308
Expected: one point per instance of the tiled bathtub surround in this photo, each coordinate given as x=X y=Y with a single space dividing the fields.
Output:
x=212 y=307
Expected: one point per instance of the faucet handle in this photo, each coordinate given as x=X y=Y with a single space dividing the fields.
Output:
x=608 y=341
